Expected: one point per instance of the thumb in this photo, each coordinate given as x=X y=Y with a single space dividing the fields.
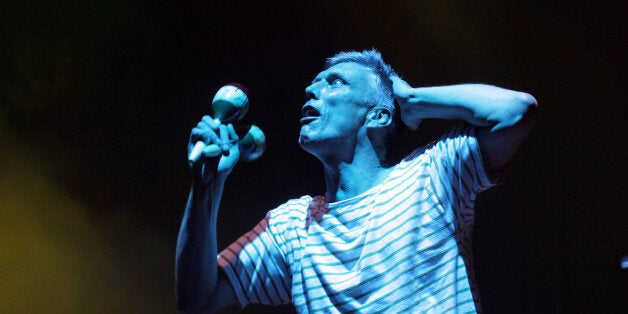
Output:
x=212 y=150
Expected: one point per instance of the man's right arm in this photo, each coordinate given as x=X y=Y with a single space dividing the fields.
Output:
x=199 y=286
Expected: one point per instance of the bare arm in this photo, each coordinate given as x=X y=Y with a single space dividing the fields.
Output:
x=199 y=287
x=504 y=116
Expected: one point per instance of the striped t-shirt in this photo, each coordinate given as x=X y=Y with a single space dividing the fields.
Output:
x=402 y=246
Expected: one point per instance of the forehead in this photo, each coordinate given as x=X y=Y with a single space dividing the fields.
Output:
x=347 y=70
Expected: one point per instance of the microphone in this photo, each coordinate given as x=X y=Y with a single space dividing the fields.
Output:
x=229 y=104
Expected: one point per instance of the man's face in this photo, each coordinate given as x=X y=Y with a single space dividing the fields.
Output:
x=335 y=112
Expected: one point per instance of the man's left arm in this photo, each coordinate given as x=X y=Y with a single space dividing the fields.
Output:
x=504 y=117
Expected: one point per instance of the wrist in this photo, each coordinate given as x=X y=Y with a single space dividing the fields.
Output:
x=207 y=176
x=412 y=107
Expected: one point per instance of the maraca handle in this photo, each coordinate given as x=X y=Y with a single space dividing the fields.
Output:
x=195 y=153
x=252 y=145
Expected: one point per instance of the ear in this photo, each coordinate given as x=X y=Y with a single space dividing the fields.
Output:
x=379 y=117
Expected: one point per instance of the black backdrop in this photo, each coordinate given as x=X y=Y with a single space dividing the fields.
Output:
x=98 y=100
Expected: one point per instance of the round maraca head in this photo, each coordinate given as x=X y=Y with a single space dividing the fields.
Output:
x=230 y=103
x=252 y=144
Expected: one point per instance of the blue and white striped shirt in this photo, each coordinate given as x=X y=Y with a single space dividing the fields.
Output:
x=402 y=246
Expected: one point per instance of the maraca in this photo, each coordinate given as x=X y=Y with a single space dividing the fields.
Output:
x=229 y=104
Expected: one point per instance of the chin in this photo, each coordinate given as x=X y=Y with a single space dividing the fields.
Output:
x=308 y=144
x=305 y=136
x=303 y=139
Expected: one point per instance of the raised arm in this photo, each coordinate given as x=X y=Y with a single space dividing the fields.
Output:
x=504 y=116
x=199 y=286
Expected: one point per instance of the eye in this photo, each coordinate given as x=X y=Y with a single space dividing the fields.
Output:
x=337 y=82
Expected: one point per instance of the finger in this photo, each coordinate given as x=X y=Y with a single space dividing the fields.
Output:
x=206 y=121
x=396 y=79
x=224 y=138
x=212 y=150
x=211 y=122
x=233 y=136
x=205 y=135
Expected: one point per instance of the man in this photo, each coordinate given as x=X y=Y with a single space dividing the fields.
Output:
x=389 y=235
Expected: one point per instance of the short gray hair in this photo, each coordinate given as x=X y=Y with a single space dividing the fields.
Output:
x=373 y=60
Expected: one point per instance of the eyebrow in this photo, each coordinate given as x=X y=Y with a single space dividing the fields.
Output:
x=317 y=78
x=335 y=73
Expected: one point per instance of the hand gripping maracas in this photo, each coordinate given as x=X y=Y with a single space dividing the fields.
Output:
x=229 y=104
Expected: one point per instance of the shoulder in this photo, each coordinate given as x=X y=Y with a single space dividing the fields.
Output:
x=290 y=210
x=458 y=145
x=460 y=134
x=460 y=139
x=287 y=221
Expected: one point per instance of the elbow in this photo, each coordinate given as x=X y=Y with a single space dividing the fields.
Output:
x=198 y=304
x=528 y=102
x=529 y=108
x=189 y=304
x=519 y=112
x=183 y=304
x=521 y=103
x=523 y=109
x=185 y=307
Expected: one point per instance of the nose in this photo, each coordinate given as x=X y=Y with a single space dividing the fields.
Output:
x=312 y=91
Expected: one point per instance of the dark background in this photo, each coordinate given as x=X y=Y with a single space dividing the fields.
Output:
x=98 y=98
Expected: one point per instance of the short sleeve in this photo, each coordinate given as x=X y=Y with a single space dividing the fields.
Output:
x=256 y=268
x=458 y=176
x=459 y=161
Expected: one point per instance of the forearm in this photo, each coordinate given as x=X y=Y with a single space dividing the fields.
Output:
x=477 y=104
x=196 y=262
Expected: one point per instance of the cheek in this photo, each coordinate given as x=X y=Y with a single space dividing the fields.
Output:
x=348 y=121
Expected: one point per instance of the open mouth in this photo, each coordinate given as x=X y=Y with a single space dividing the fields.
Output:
x=309 y=114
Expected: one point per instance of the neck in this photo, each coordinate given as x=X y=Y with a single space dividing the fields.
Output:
x=349 y=178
